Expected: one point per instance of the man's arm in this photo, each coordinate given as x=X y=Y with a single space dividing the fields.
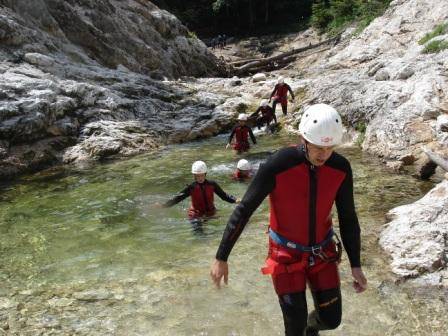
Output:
x=255 y=114
x=222 y=194
x=273 y=92
x=290 y=91
x=348 y=220
x=231 y=135
x=262 y=184
x=252 y=136
x=178 y=197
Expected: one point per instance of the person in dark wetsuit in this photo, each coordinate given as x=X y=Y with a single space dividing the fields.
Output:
x=241 y=133
x=243 y=171
x=303 y=182
x=266 y=117
x=280 y=95
x=201 y=192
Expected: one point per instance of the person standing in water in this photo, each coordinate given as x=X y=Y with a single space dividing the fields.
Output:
x=303 y=182
x=280 y=95
x=241 y=133
x=266 y=117
x=243 y=171
x=202 y=193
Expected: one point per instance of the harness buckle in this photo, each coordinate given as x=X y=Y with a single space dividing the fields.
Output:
x=316 y=250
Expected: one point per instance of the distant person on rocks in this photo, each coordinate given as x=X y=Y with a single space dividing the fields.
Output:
x=280 y=95
x=241 y=132
x=243 y=171
x=266 y=117
x=201 y=192
x=303 y=183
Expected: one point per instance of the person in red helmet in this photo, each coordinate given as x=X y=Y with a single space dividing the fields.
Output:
x=266 y=117
x=243 y=171
x=303 y=182
x=201 y=192
x=280 y=95
x=241 y=133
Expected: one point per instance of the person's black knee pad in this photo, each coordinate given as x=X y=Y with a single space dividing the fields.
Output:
x=329 y=308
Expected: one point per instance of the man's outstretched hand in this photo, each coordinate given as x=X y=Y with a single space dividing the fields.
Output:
x=219 y=270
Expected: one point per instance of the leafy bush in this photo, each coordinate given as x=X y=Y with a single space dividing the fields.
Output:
x=435 y=46
x=438 y=30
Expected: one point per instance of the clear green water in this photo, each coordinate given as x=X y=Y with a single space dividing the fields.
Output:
x=72 y=230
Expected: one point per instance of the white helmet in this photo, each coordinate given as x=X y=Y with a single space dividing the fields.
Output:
x=242 y=116
x=263 y=103
x=199 y=167
x=243 y=164
x=281 y=80
x=321 y=125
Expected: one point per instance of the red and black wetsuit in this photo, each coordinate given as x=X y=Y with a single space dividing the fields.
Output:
x=202 y=200
x=267 y=115
x=241 y=176
x=280 y=95
x=301 y=197
x=242 y=134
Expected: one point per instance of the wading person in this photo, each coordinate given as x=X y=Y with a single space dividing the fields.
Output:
x=303 y=182
x=280 y=95
x=241 y=132
x=243 y=171
x=264 y=116
x=202 y=193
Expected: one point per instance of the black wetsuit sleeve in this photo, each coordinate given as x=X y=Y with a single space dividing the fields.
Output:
x=178 y=197
x=222 y=194
x=290 y=91
x=348 y=220
x=262 y=184
x=273 y=91
x=231 y=135
x=255 y=113
x=252 y=136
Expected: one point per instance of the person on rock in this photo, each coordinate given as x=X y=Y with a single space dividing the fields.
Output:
x=303 y=181
x=202 y=193
x=280 y=95
x=241 y=132
x=243 y=171
x=266 y=117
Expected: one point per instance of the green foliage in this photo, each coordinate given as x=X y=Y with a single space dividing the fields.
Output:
x=438 y=30
x=333 y=16
x=435 y=46
x=191 y=35
x=322 y=15
x=361 y=128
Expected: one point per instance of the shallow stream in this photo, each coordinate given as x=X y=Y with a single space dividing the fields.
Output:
x=84 y=253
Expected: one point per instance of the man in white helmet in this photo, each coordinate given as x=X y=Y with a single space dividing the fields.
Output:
x=243 y=171
x=241 y=132
x=303 y=182
x=267 y=115
x=201 y=192
x=280 y=95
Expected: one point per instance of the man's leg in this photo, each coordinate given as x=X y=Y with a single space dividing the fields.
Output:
x=328 y=311
x=284 y=107
x=274 y=104
x=295 y=313
x=325 y=286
